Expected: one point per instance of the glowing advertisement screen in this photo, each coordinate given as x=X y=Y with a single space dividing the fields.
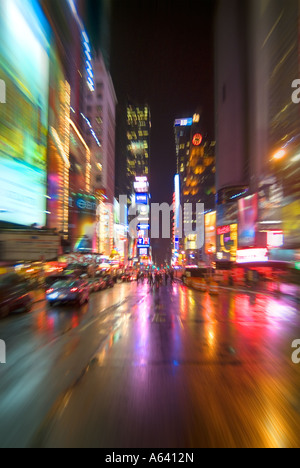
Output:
x=24 y=67
x=248 y=218
x=227 y=242
x=141 y=199
x=82 y=226
x=57 y=114
x=210 y=233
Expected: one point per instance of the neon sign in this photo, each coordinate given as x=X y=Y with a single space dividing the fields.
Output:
x=275 y=239
x=184 y=122
x=223 y=230
x=143 y=242
x=252 y=255
x=197 y=140
x=141 y=199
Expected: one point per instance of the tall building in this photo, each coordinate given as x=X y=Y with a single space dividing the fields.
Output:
x=195 y=162
x=231 y=95
x=48 y=86
x=196 y=174
x=138 y=143
x=257 y=122
x=100 y=129
x=71 y=200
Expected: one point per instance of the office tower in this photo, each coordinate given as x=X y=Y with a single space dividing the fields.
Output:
x=257 y=122
x=196 y=174
x=100 y=129
x=195 y=162
x=138 y=143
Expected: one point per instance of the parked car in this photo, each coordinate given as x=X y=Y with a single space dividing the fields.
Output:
x=97 y=284
x=64 y=292
x=14 y=294
x=81 y=269
x=65 y=276
x=109 y=281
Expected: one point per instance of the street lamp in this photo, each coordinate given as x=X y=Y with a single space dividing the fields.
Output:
x=280 y=154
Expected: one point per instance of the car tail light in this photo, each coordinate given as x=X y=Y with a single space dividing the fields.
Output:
x=50 y=291
x=74 y=290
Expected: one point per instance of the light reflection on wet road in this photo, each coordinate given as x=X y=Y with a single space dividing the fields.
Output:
x=161 y=369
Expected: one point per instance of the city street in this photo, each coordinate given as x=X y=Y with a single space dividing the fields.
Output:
x=167 y=368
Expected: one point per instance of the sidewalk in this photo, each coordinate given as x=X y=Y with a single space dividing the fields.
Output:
x=290 y=290
x=270 y=288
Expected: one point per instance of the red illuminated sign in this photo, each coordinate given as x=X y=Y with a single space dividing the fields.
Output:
x=197 y=140
x=252 y=255
x=223 y=230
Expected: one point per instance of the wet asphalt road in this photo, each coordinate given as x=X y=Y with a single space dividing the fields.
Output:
x=136 y=368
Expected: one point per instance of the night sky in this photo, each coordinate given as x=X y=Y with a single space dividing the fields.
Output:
x=162 y=52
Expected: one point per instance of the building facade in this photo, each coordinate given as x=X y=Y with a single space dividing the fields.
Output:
x=195 y=181
x=257 y=124
x=138 y=143
x=100 y=129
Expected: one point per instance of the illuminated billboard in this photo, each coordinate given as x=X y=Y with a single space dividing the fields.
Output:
x=270 y=202
x=143 y=227
x=227 y=214
x=141 y=185
x=210 y=233
x=144 y=252
x=143 y=242
x=275 y=239
x=24 y=67
x=197 y=139
x=106 y=229
x=291 y=224
x=184 y=122
x=141 y=199
x=248 y=219
x=58 y=145
x=227 y=242
x=177 y=207
x=82 y=227
x=252 y=255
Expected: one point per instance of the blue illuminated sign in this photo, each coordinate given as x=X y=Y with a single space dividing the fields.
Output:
x=143 y=227
x=184 y=122
x=143 y=243
x=141 y=199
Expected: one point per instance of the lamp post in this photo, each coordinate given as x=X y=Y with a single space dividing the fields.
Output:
x=278 y=157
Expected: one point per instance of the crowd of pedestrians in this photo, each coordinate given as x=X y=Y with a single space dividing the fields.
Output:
x=156 y=278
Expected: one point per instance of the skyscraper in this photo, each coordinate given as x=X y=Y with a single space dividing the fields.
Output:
x=100 y=112
x=195 y=162
x=138 y=143
x=196 y=170
x=257 y=123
